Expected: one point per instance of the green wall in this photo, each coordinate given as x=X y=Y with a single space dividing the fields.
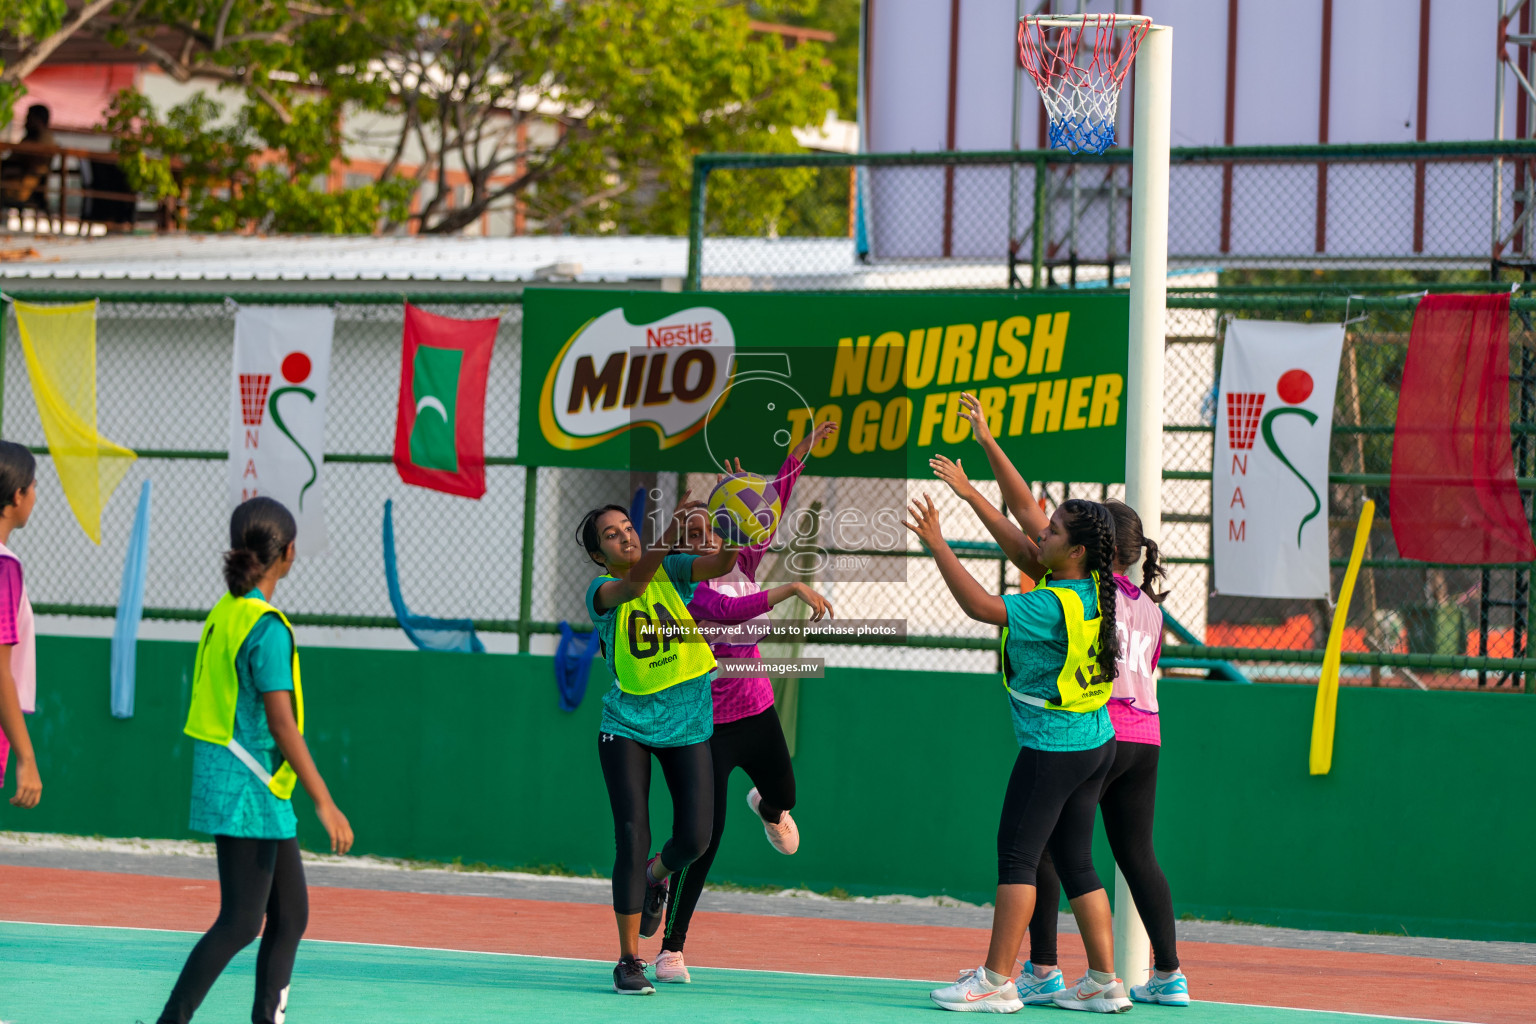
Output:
x=1423 y=825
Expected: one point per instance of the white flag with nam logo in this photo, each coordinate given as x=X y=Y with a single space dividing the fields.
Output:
x=1269 y=484
x=277 y=412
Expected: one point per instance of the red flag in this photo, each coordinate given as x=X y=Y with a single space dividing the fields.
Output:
x=1454 y=497
x=440 y=430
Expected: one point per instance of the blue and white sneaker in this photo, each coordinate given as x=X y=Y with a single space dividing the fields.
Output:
x=1170 y=991
x=1037 y=991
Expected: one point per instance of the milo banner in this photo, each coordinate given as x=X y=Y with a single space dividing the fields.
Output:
x=651 y=381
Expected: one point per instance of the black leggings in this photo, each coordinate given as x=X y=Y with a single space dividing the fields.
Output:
x=1050 y=802
x=627 y=771
x=756 y=745
x=1130 y=792
x=258 y=878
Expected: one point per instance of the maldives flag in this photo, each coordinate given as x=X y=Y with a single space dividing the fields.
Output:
x=440 y=431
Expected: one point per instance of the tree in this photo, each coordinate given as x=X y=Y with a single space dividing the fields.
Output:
x=455 y=97
x=36 y=29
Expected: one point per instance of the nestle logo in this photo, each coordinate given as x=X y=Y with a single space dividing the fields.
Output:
x=669 y=335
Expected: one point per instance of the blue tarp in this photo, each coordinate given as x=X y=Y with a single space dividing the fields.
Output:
x=426 y=633
x=637 y=512
x=130 y=610
x=573 y=664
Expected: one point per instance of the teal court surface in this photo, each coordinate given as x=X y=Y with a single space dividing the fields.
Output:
x=63 y=974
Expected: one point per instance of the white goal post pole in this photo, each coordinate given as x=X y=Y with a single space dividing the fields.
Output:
x=1144 y=382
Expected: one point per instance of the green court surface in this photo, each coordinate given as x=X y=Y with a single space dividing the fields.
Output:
x=74 y=975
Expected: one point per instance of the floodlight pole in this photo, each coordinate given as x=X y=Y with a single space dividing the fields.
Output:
x=1144 y=380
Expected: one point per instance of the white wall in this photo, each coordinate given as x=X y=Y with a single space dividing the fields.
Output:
x=1373 y=98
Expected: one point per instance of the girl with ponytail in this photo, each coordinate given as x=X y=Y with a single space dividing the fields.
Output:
x=1060 y=648
x=659 y=706
x=247 y=721
x=1130 y=787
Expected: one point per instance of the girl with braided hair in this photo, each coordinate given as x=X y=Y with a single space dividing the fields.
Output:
x=1130 y=788
x=1059 y=659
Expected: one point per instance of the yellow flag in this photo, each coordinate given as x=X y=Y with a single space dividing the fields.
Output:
x=60 y=345
x=1321 y=758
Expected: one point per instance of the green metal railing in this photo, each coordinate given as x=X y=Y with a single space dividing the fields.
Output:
x=1041 y=162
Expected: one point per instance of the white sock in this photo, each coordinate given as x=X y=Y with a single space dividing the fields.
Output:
x=994 y=978
x=1165 y=975
x=1043 y=971
x=1101 y=977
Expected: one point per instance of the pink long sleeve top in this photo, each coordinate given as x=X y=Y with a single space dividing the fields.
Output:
x=733 y=610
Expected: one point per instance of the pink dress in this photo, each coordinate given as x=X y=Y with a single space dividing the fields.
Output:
x=17 y=629
x=735 y=607
x=1133 y=703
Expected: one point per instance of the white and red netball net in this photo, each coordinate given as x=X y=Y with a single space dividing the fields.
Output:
x=1243 y=409
x=1080 y=84
x=253 y=397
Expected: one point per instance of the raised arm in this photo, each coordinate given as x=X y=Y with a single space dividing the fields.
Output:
x=824 y=429
x=972 y=597
x=711 y=605
x=1016 y=494
x=1020 y=549
x=634 y=581
x=707 y=567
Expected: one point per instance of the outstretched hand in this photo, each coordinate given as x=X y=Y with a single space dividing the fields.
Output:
x=819 y=605
x=822 y=431
x=679 y=520
x=970 y=409
x=926 y=522
x=680 y=511
x=953 y=473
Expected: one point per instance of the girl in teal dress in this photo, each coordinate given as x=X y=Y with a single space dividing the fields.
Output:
x=247 y=724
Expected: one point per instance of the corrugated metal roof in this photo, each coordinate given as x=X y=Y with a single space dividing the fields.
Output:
x=733 y=264
x=343 y=258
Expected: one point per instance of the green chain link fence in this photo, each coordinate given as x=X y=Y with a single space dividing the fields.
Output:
x=163 y=371
x=511 y=563
x=1040 y=218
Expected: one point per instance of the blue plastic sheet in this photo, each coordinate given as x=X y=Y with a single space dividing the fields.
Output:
x=427 y=633
x=573 y=664
x=130 y=610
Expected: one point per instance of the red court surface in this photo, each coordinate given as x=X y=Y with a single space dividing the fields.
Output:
x=1370 y=983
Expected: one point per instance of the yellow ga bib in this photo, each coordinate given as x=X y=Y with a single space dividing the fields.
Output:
x=1080 y=686
x=656 y=642
x=215 y=684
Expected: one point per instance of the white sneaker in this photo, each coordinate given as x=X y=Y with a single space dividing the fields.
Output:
x=973 y=993
x=670 y=967
x=1039 y=991
x=1089 y=995
x=1170 y=991
x=784 y=835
